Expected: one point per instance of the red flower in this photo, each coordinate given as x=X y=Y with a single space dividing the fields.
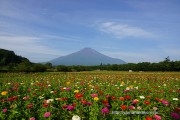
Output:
x=74 y=104
x=123 y=107
x=78 y=95
x=146 y=102
x=113 y=98
x=83 y=102
x=45 y=105
x=29 y=106
x=148 y=118
x=100 y=92
x=127 y=97
x=105 y=102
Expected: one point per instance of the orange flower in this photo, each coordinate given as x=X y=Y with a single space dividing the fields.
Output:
x=4 y=93
x=121 y=98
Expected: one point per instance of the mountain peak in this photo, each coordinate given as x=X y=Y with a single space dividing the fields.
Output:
x=86 y=56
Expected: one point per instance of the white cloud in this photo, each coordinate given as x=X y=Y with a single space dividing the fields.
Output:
x=29 y=46
x=124 y=30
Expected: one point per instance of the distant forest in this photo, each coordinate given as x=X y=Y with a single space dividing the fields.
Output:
x=10 y=62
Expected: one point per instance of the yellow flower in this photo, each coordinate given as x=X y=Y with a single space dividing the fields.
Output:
x=68 y=83
x=4 y=93
x=122 y=83
x=76 y=91
x=96 y=98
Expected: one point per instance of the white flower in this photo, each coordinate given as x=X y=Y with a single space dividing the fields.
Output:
x=49 y=85
x=136 y=87
x=40 y=97
x=64 y=88
x=50 y=100
x=76 y=117
x=127 y=88
x=164 y=85
x=175 y=99
x=139 y=107
x=52 y=92
x=142 y=97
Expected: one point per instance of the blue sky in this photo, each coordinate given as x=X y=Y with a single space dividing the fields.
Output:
x=132 y=30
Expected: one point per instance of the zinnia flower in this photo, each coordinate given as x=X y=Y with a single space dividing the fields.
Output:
x=47 y=114
x=123 y=107
x=157 y=117
x=135 y=101
x=4 y=110
x=127 y=97
x=148 y=118
x=142 y=97
x=76 y=91
x=175 y=99
x=131 y=107
x=146 y=102
x=32 y=118
x=78 y=95
x=105 y=110
x=4 y=93
x=76 y=117
x=94 y=95
x=165 y=102
x=175 y=116
x=96 y=98
x=121 y=98
x=70 y=107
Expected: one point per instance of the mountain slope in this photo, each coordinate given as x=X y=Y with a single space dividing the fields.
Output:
x=86 y=56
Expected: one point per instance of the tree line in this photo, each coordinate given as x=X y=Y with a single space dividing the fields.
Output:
x=9 y=62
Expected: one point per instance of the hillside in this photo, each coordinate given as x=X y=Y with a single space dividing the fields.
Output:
x=9 y=57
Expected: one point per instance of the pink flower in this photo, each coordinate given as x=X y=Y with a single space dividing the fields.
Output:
x=157 y=117
x=47 y=114
x=94 y=95
x=135 y=101
x=70 y=107
x=131 y=107
x=105 y=110
x=165 y=102
x=4 y=110
x=26 y=98
x=32 y=118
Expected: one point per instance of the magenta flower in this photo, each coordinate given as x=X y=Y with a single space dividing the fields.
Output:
x=47 y=114
x=105 y=110
x=4 y=110
x=157 y=117
x=68 y=89
x=70 y=107
x=94 y=95
x=175 y=116
x=165 y=102
x=89 y=103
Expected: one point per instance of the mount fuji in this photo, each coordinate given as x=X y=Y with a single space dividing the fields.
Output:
x=86 y=57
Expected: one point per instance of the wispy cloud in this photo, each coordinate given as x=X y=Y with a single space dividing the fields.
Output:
x=124 y=30
x=27 y=46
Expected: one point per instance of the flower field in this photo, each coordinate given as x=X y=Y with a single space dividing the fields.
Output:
x=94 y=95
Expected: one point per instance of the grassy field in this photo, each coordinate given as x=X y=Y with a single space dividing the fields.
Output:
x=97 y=95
